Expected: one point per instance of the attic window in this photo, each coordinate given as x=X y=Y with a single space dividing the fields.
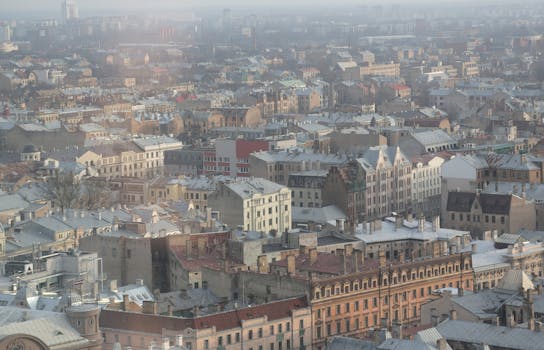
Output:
x=57 y=333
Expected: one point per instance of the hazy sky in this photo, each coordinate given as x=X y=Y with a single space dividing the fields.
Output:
x=51 y=8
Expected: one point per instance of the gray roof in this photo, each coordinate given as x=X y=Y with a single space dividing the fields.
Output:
x=322 y=215
x=246 y=188
x=12 y=202
x=345 y=343
x=295 y=157
x=52 y=328
x=497 y=336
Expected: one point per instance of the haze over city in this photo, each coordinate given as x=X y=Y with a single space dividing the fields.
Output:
x=271 y=175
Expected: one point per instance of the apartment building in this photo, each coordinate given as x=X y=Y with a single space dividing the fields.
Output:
x=277 y=165
x=307 y=188
x=142 y=157
x=253 y=204
x=426 y=185
x=284 y=324
x=230 y=157
x=351 y=295
x=388 y=181
x=387 y=70
x=480 y=212
x=345 y=187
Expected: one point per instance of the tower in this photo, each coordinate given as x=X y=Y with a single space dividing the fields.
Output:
x=84 y=318
x=69 y=11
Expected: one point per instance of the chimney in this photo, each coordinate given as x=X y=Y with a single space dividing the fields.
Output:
x=340 y=225
x=436 y=249
x=529 y=296
x=397 y=330
x=125 y=302
x=348 y=249
x=113 y=285
x=434 y=317
x=179 y=340
x=539 y=289
x=453 y=314
x=510 y=322
x=398 y=221
x=149 y=307
x=201 y=246
x=165 y=343
x=313 y=255
x=421 y=223
x=209 y=217
x=262 y=264
x=377 y=225
x=442 y=344
x=436 y=223
x=474 y=248
x=460 y=291
x=291 y=264
x=531 y=323
x=170 y=312
x=515 y=189
x=401 y=256
x=381 y=258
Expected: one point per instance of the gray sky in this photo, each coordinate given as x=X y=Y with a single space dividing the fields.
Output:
x=51 y=8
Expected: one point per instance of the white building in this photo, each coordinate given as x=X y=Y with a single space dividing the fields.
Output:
x=253 y=204
x=426 y=185
x=70 y=10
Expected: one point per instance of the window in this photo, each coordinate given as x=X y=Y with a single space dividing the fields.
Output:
x=271 y=346
x=206 y=344
x=318 y=331
x=250 y=335
x=229 y=339
x=272 y=329
x=357 y=305
x=129 y=253
x=328 y=329
x=338 y=326
x=220 y=341
x=328 y=311
x=260 y=332
x=237 y=337
x=453 y=216
x=347 y=307
x=347 y=325
x=338 y=309
x=301 y=324
x=288 y=344
x=288 y=326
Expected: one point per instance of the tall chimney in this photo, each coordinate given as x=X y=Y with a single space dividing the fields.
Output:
x=474 y=248
x=125 y=302
x=421 y=223
x=313 y=255
x=348 y=249
x=442 y=344
x=401 y=256
x=436 y=223
x=453 y=314
x=262 y=264
x=291 y=264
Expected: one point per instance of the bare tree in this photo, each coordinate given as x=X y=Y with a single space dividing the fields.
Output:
x=63 y=190
x=95 y=194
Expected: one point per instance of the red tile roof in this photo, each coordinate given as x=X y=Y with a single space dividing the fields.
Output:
x=155 y=324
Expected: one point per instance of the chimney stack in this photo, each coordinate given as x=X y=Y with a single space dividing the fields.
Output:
x=401 y=256
x=313 y=255
x=460 y=291
x=474 y=248
x=170 y=311
x=531 y=324
x=421 y=223
x=262 y=264
x=436 y=223
x=125 y=302
x=453 y=314
x=442 y=344
x=510 y=322
x=348 y=249
x=291 y=264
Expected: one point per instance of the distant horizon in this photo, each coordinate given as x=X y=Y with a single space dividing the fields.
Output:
x=42 y=9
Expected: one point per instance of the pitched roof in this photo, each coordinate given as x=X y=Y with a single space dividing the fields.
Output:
x=494 y=203
x=460 y=201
